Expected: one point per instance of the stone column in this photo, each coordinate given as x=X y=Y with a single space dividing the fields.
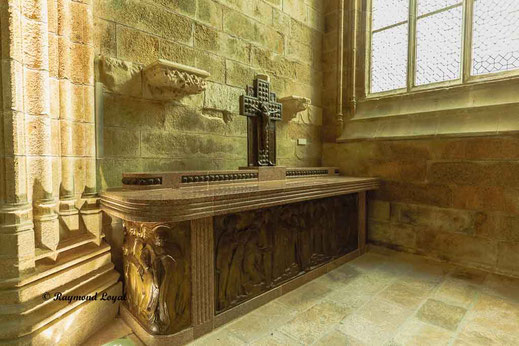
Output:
x=75 y=49
x=47 y=174
x=43 y=178
x=48 y=111
x=67 y=209
x=16 y=227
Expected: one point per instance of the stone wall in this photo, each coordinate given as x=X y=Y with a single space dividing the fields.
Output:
x=455 y=199
x=48 y=125
x=231 y=39
x=50 y=218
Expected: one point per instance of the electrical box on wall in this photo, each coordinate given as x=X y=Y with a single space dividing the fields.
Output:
x=301 y=141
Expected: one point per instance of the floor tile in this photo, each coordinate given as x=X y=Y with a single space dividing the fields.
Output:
x=305 y=296
x=347 y=270
x=430 y=271
x=219 y=337
x=339 y=278
x=385 y=314
x=353 y=299
x=310 y=325
x=260 y=321
x=363 y=330
x=415 y=332
x=400 y=293
x=456 y=292
x=336 y=338
x=357 y=291
x=475 y=334
x=441 y=314
x=115 y=330
x=369 y=283
x=425 y=285
x=276 y=339
x=495 y=313
x=396 y=265
x=368 y=261
x=385 y=298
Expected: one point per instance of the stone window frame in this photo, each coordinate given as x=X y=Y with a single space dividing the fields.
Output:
x=440 y=109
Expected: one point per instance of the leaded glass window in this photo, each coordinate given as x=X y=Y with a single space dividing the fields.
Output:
x=431 y=43
x=438 y=46
x=389 y=59
x=495 y=40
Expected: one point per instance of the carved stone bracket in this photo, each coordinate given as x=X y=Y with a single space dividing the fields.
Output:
x=167 y=80
x=293 y=105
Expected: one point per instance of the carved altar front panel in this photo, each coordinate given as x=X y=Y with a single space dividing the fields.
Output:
x=157 y=275
x=258 y=250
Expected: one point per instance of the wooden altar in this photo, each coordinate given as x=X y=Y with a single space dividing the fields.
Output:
x=202 y=248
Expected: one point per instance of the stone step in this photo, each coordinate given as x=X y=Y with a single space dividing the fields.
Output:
x=18 y=325
x=67 y=259
x=60 y=282
x=65 y=245
x=75 y=326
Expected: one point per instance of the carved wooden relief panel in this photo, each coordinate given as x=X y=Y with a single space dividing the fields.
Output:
x=157 y=275
x=258 y=250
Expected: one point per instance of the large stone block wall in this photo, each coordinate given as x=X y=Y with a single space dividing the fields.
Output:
x=50 y=218
x=456 y=199
x=231 y=39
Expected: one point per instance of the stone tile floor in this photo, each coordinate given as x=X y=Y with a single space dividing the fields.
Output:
x=115 y=334
x=384 y=298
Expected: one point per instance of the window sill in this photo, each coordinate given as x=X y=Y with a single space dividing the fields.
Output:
x=483 y=109
x=469 y=121
x=456 y=97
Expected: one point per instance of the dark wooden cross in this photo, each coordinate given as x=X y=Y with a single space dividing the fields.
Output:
x=262 y=110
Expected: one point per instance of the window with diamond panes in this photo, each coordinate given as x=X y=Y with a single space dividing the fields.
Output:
x=495 y=41
x=417 y=44
x=438 y=42
x=389 y=41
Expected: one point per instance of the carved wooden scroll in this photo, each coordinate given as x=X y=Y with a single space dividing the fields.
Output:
x=258 y=250
x=157 y=275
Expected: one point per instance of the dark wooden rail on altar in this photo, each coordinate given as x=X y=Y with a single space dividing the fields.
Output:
x=202 y=248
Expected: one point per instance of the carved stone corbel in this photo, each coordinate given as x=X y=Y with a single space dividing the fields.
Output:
x=293 y=105
x=166 y=80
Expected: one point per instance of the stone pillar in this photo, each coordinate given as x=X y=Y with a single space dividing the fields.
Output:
x=47 y=175
x=38 y=124
x=76 y=91
x=16 y=227
x=48 y=112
